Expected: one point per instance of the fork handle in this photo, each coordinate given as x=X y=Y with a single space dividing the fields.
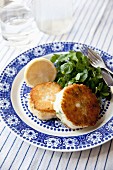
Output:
x=111 y=88
x=108 y=70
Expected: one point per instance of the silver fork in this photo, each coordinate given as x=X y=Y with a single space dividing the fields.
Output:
x=96 y=60
x=108 y=79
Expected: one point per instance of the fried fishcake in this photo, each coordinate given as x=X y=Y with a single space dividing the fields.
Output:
x=42 y=97
x=77 y=106
x=43 y=115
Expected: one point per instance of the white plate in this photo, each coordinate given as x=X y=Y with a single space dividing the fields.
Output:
x=50 y=134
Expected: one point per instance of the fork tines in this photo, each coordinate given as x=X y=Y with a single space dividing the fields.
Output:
x=93 y=55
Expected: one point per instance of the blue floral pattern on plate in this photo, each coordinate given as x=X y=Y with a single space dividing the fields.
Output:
x=55 y=142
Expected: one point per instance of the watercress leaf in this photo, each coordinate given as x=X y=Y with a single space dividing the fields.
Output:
x=81 y=77
x=54 y=58
x=63 y=58
x=85 y=61
x=70 y=82
x=66 y=68
x=84 y=76
x=105 y=94
x=73 y=56
x=77 y=78
x=79 y=67
x=79 y=55
x=61 y=81
x=98 y=73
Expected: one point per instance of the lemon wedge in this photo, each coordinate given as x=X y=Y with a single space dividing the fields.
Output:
x=39 y=70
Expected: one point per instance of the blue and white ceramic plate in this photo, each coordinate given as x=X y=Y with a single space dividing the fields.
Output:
x=51 y=134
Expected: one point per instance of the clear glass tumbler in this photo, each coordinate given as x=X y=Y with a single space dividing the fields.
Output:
x=53 y=16
x=16 y=23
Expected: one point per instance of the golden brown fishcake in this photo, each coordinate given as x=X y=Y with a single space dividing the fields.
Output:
x=80 y=105
x=43 y=96
x=43 y=115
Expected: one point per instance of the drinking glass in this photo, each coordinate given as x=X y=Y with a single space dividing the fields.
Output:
x=16 y=23
x=53 y=16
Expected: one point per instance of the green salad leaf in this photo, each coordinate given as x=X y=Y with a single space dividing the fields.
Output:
x=74 y=67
